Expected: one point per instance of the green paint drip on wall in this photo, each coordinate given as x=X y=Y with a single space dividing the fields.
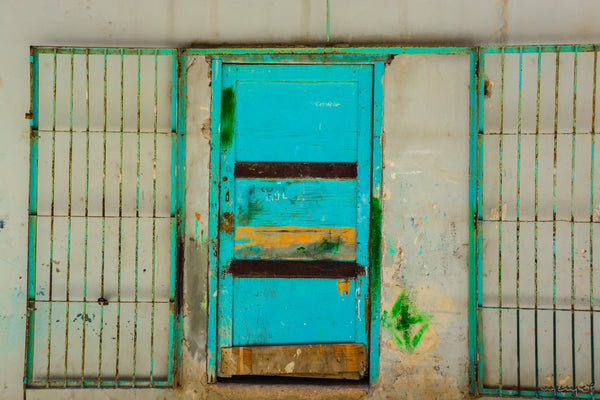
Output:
x=406 y=323
x=227 y=116
x=375 y=247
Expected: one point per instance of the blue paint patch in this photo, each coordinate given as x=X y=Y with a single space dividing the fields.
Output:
x=267 y=202
x=285 y=311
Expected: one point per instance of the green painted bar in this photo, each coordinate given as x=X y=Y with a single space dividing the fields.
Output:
x=32 y=222
x=500 y=217
x=376 y=216
x=154 y=216
x=215 y=151
x=592 y=171
x=178 y=101
x=474 y=359
x=480 y=87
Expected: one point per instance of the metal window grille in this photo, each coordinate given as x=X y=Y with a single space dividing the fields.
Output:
x=105 y=218
x=536 y=211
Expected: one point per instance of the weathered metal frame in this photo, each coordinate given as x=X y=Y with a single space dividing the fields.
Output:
x=177 y=213
x=477 y=94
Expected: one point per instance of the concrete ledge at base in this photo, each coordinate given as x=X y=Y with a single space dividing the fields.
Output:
x=277 y=389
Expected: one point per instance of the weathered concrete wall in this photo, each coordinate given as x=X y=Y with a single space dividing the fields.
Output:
x=425 y=156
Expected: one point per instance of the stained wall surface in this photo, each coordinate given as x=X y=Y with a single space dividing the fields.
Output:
x=425 y=157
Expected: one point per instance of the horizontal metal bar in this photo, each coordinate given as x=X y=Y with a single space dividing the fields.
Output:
x=570 y=134
x=103 y=50
x=99 y=216
x=37 y=131
x=549 y=393
x=565 y=48
x=76 y=384
x=295 y=269
x=539 y=221
x=535 y=308
x=340 y=59
x=265 y=170
x=104 y=301
x=363 y=50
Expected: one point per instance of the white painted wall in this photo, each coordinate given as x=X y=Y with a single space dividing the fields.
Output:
x=426 y=118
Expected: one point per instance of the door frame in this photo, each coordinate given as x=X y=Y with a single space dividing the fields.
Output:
x=375 y=228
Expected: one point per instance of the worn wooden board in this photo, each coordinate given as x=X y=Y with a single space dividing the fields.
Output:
x=295 y=243
x=331 y=360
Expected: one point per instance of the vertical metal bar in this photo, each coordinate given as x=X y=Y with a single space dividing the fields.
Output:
x=554 y=197
x=33 y=200
x=68 y=287
x=536 y=228
x=178 y=96
x=137 y=222
x=518 y=239
x=573 y=148
x=154 y=219
x=118 y=338
x=51 y=263
x=102 y=300
x=215 y=156
x=480 y=86
x=500 y=217
x=87 y=185
x=592 y=171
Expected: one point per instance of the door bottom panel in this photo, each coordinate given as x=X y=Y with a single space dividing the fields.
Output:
x=330 y=360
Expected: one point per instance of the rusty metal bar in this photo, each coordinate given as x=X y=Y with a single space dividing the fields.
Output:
x=52 y=179
x=592 y=171
x=120 y=265
x=554 y=201
x=67 y=294
x=87 y=186
x=102 y=301
x=137 y=223
x=573 y=147
x=518 y=238
x=500 y=217
x=154 y=159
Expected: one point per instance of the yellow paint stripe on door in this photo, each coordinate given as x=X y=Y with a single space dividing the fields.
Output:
x=295 y=243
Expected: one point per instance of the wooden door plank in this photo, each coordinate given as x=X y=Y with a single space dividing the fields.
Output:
x=331 y=360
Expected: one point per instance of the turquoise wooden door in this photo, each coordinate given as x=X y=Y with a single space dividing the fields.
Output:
x=295 y=184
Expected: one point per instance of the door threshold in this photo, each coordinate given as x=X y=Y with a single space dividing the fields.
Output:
x=276 y=387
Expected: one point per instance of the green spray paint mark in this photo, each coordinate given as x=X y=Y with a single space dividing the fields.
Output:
x=406 y=323
x=375 y=249
x=227 y=116
x=301 y=249
x=329 y=246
